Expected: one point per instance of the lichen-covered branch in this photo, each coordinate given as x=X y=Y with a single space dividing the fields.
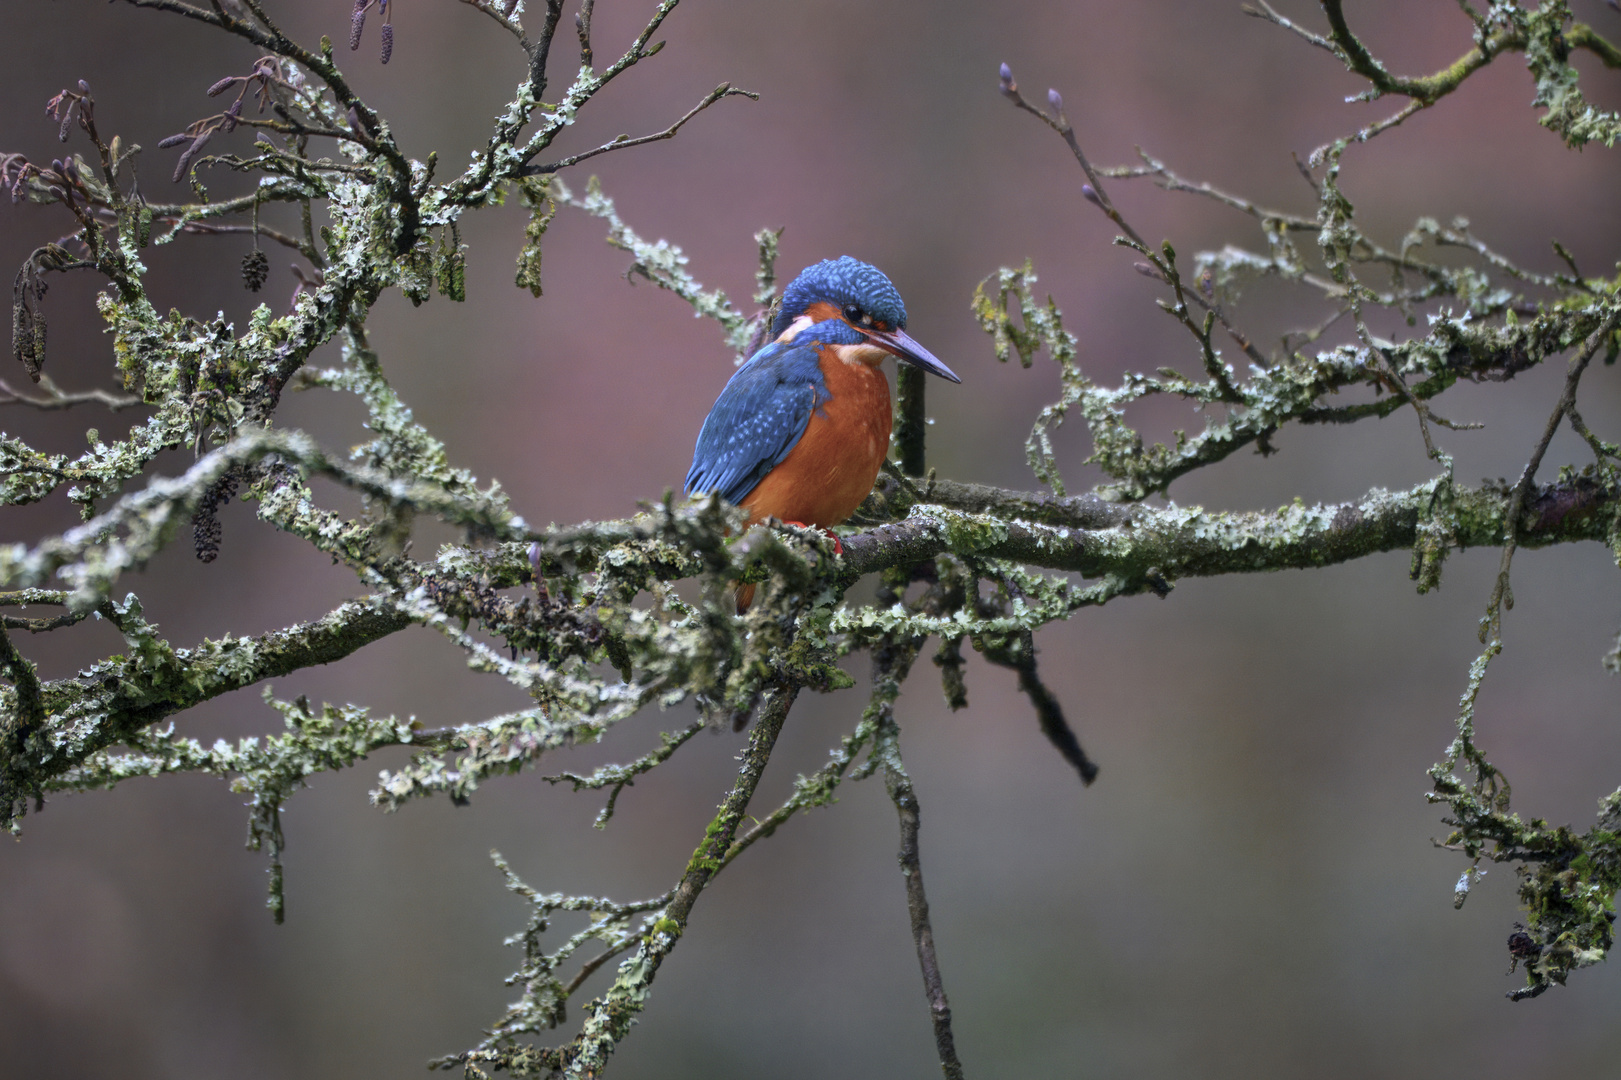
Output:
x=597 y=621
x=1508 y=318
x=609 y=1018
x=1545 y=34
x=1192 y=542
x=117 y=700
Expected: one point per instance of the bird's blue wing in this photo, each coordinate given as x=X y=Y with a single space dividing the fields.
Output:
x=757 y=420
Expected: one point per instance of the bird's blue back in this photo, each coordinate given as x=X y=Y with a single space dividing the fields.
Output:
x=762 y=413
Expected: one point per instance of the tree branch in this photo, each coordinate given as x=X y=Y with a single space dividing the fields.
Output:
x=609 y=1018
x=54 y=398
x=623 y=141
x=1192 y=542
x=892 y=659
x=118 y=697
x=1502 y=596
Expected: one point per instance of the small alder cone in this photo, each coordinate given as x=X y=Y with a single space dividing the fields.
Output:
x=255 y=269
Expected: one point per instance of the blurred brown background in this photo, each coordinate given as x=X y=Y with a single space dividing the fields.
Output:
x=1249 y=890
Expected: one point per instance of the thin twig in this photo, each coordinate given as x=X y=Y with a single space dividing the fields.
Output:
x=1265 y=11
x=1020 y=657
x=542 y=48
x=1170 y=181
x=208 y=228
x=595 y=962
x=1393 y=120
x=609 y=1017
x=1164 y=266
x=1463 y=238
x=39 y=626
x=619 y=777
x=1601 y=449
x=1100 y=198
x=506 y=23
x=620 y=143
x=1502 y=597
x=582 y=23
x=55 y=398
x=52 y=597
x=917 y=907
x=892 y=660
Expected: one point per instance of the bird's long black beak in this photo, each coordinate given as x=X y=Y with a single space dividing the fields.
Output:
x=906 y=348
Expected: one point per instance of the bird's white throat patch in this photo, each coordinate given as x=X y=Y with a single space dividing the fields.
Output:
x=864 y=353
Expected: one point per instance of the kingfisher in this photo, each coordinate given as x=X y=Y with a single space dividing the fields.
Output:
x=801 y=429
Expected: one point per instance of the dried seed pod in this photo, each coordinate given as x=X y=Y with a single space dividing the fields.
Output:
x=388 y=41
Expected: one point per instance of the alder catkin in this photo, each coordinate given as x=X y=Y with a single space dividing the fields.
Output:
x=357 y=23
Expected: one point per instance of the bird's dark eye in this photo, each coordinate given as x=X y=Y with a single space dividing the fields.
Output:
x=855 y=315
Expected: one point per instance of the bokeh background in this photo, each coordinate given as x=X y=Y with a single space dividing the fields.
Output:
x=1249 y=889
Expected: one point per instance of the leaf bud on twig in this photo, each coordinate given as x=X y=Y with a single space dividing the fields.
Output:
x=191 y=151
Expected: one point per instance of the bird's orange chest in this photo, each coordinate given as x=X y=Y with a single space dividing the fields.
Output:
x=831 y=470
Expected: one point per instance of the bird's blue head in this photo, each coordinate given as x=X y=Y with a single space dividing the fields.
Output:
x=858 y=294
x=852 y=287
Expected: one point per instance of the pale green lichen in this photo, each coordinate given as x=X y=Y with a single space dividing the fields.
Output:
x=659 y=261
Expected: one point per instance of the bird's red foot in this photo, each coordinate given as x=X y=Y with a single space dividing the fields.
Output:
x=838 y=548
